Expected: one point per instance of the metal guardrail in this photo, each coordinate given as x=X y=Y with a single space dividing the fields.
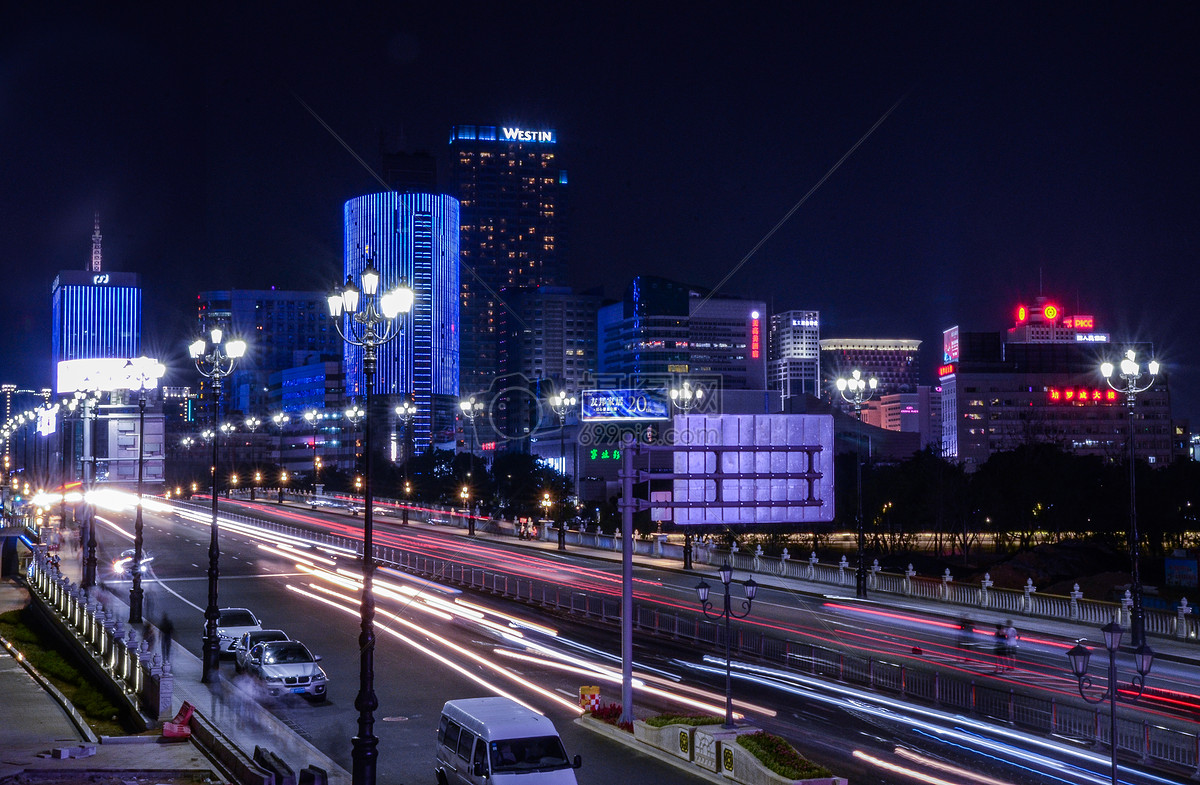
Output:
x=1150 y=742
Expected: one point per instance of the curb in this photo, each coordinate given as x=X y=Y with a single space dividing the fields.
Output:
x=77 y=719
x=623 y=737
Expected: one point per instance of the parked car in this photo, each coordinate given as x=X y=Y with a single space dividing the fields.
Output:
x=123 y=564
x=231 y=624
x=249 y=640
x=287 y=667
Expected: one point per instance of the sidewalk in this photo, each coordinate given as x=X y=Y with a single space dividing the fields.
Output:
x=35 y=720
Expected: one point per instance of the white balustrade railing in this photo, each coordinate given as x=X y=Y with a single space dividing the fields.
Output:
x=120 y=652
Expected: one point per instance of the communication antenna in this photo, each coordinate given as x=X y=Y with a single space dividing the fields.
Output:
x=96 y=255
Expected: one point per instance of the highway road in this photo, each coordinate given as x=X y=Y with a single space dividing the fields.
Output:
x=436 y=642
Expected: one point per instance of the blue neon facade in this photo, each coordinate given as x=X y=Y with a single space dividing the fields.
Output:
x=95 y=315
x=415 y=238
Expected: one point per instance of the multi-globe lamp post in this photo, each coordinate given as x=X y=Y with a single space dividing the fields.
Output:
x=727 y=614
x=313 y=418
x=144 y=374
x=1130 y=386
x=561 y=403
x=685 y=398
x=355 y=413
x=280 y=421
x=471 y=409
x=856 y=390
x=406 y=410
x=366 y=318
x=215 y=361
x=1143 y=659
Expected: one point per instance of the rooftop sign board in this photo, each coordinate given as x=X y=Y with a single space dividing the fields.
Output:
x=624 y=405
x=733 y=482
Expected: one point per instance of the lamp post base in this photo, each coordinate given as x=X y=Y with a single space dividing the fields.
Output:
x=210 y=655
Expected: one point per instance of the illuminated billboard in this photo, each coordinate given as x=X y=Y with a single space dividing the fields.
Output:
x=809 y=438
x=47 y=419
x=108 y=374
x=624 y=405
x=950 y=345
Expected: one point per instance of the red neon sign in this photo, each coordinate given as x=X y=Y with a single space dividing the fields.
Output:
x=1022 y=313
x=1080 y=322
x=487 y=446
x=945 y=370
x=1050 y=312
x=1081 y=395
x=755 y=347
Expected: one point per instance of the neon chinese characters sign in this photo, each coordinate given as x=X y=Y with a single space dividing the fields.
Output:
x=1080 y=395
x=755 y=335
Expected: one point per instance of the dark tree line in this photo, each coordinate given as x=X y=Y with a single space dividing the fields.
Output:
x=1021 y=498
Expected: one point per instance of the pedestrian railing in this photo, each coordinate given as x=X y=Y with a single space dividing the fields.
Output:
x=121 y=651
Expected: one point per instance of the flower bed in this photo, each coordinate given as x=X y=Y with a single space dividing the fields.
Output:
x=780 y=757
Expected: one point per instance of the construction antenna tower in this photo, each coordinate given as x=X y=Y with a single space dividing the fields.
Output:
x=96 y=256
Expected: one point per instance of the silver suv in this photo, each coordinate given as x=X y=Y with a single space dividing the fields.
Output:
x=249 y=640
x=231 y=623
x=287 y=667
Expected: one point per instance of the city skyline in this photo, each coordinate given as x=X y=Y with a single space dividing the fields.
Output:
x=1034 y=150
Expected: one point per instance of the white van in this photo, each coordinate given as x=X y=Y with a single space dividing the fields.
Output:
x=499 y=741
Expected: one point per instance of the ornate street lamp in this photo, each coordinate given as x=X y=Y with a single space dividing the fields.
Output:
x=89 y=399
x=561 y=403
x=252 y=424
x=685 y=398
x=1131 y=375
x=214 y=362
x=471 y=409
x=1143 y=659
x=726 y=573
x=406 y=411
x=313 y=418
x=355 y=413
x=280 y=421
x=857 y=390
x=366 y=318
x=283 y=478
x=143 y=373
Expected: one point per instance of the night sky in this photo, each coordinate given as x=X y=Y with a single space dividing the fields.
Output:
x=1047 y=147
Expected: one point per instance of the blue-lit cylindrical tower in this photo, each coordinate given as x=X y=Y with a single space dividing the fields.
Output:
x=413 y=237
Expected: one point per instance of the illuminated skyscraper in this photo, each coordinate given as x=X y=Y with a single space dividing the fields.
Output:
x=513 y=195
x=411 y=237
x=96 y=314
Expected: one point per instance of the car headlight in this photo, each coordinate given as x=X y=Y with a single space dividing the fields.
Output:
x=273 y=679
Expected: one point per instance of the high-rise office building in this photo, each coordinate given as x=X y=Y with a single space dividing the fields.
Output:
x=411 y=237
x=96 y=314
x=513 y=196
x=547 y=345
x=663 y=328
x=1039 y=382
x=893 y=361
x=281 y=328
x=794 y=353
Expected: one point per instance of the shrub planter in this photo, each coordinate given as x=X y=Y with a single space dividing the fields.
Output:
x=740 y=765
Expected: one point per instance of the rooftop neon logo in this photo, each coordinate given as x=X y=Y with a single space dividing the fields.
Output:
x=521 y=135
